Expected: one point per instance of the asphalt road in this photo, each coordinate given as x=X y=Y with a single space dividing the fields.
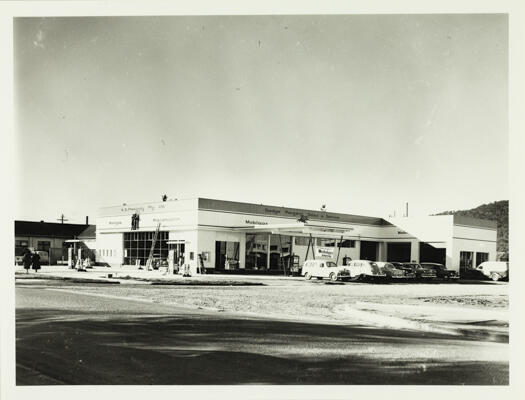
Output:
x=73 y=338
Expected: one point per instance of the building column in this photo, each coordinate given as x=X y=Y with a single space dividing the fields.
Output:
x=358 y=248
x=383 y=251
x=414 y=251
x=268 y=252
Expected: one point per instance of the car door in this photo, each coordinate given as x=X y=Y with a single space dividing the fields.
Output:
x=356 y=268
x=321 y=269
x=306 y=268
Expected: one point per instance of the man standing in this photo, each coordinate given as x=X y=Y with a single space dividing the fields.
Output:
x=26 y=260
x=35 y=259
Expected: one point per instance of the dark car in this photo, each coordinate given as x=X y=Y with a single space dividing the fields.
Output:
x=419 y=271
x=393 y=272
x=441 y=271
x=409 y=274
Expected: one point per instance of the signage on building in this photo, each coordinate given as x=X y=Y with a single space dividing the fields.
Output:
x=253 y=222
x=324 y=252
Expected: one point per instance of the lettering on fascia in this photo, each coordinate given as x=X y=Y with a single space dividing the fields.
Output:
x=134 y=209
x=401 y=232
x=165 y=219
x=250 y=222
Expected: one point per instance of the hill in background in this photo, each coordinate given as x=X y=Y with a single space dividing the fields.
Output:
x=497 y=211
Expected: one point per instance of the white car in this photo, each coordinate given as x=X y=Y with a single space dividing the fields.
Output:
x=365 y=268
x=324 y=269
x=495 y=270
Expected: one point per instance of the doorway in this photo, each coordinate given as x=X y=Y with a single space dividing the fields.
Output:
x=177 y=253
x=226 y=255
x=428 y=253
x=368 y=250
x=398 y=252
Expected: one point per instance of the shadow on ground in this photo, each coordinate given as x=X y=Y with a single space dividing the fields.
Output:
x=54 y=347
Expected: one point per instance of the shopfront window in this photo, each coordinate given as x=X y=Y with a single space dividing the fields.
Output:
x=323 y=242
x=481 y=257
x=137 y=246
x=465 y=259
x=256 y=250
x=335 y=243
x=302 y=240
x=226 y=255
x=21 y=247
x=280 y=246
x=43 y=245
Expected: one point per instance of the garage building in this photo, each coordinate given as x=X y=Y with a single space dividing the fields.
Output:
x=224 y=235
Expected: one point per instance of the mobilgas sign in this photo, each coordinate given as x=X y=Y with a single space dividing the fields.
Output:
x=324 y=252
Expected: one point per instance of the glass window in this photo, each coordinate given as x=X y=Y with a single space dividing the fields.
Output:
x=465 y=259
x=335 y=243
x=325 y=242
x=481 y=257
x=347 y=244
x=137 y=246
x=302 y=240
x=256 y=254
x=43 y=245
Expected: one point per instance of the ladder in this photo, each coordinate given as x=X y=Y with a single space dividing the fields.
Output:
x=149 y=262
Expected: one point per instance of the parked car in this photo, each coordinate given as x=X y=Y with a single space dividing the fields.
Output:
x=393 y=272
x=495 y=270
x=419 y=271
x=324 y=269
x=441 y=270
x=364 y=269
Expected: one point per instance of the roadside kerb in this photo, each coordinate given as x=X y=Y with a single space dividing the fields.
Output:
x=391 y=322
x=438 y=313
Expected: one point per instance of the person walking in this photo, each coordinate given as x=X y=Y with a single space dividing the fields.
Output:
x=26 y=261
x=35 y=259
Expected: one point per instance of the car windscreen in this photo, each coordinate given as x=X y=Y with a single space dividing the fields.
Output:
x=331 y=264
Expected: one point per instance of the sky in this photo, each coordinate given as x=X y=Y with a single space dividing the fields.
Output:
x=362 y=113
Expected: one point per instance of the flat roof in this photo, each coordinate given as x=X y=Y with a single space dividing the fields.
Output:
x=475 y=222
x=286 y=212
x=52 y=229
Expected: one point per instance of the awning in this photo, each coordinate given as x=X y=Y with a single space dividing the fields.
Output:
x=299 y=228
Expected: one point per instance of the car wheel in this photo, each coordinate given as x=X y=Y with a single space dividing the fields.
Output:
x=495 y=277
x=307 y=276
x=333 y=276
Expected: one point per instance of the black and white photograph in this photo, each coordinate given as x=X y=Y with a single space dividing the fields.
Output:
x=266 y=199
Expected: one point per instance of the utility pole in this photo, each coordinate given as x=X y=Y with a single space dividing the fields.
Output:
x=62 y=219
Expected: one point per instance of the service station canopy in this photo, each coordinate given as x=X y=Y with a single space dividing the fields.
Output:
x=300 y=228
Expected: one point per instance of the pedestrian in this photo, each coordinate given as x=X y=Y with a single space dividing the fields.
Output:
x=26 y=261
x=35 y=259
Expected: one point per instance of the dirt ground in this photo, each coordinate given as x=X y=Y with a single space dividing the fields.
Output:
x=313 y=299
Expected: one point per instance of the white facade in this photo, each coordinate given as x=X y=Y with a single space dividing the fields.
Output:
x=204 y=225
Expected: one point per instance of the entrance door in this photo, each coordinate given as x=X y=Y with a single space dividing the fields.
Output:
x=368 y=250
x=226 y=255
x=176 y=253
